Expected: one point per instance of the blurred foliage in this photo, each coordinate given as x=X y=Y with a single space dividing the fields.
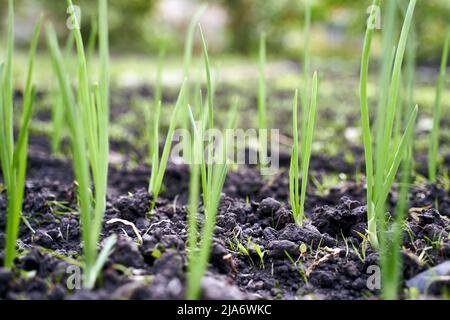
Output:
x=247 y=18
x=126 y=19
x=338 y=25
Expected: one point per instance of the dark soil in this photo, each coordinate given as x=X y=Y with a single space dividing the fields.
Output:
x=334 y=265
x=254 y=211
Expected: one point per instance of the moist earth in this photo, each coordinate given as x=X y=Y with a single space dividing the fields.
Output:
x=327 y=258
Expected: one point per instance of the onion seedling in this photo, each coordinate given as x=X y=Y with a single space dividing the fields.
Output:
x=410 y=75
x=88 y=120
x=259 y=252
x=159 y=165
x=306 y=72
x=434 y=137
x=298 y=204
x=406 y=95
x=153 y=126
x=209 y=123
x=306 y=127
x=410 y=65
x=212 y=180
x=14 y=157
x=367 y=140
x=378 y=186
x=187 y=61
x=199 y=251
x=262 y=97
x=189 y=45
x=194 y=190
x=92 y=41
x=58 y=104
x=391 y=260
x=387 y=59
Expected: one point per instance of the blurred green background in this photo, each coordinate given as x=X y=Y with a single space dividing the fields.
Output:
x=233 y=26
x=138 y=28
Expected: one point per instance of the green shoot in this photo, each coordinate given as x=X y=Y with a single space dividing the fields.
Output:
x=58 y=105
x=391 y=259
x=212 y=183
x=434 y=137
x=378 y=186
x=194 y=189
x=410 y=67
x=88 y=119
x=386 y=147
x=298 y=266
x=410 y=75
x=243 y=250
x=189 y=46
x=293 y=170
x=262 y=121
x=209 y=122
x=153 y=127
x=298 y=207
x=103 y=119
x=306 y=72
x=154 y=146
x=258 y=251
x=361 y=255
x=187 y=62
x=199 y=252
x=92 y=40
x=14 y=157
x=381 y=197
x=387 y=59
x=398 y=117
x=306 y=146
x=297 y=203
x=159 y=72
x=367 y=139
x=157 y=174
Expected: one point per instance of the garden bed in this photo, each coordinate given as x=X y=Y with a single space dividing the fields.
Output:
x=332 y=262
